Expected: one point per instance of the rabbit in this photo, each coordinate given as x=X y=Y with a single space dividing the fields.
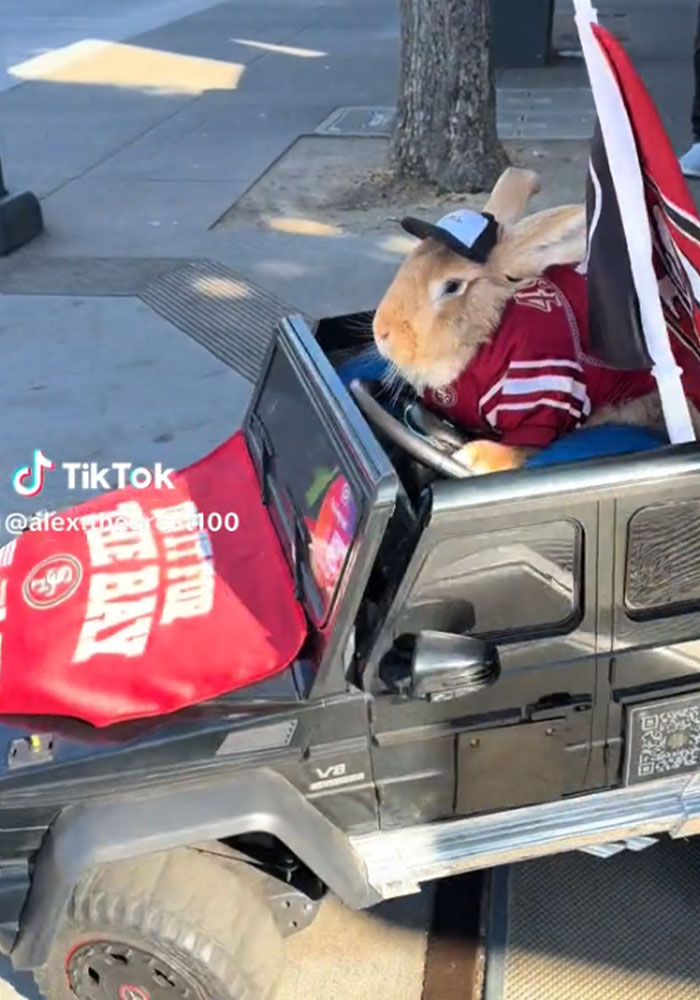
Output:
x=487 y=320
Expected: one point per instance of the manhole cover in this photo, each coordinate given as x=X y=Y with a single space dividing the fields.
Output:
x=358 y=121
x=539 y=113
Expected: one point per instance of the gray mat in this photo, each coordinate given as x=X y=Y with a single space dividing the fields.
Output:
x=222 y=311
x=577 y=928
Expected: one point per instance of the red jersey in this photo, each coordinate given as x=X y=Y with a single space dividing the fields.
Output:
x=535 y=380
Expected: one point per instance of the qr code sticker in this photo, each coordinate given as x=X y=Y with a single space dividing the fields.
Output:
x=668 y=741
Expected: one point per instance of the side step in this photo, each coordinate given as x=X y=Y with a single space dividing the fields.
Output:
x=399 y=861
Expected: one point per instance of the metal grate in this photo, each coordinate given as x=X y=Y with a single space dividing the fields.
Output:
x=522 y=113
x=574 y=927
x=358 y=122
x=221 y=310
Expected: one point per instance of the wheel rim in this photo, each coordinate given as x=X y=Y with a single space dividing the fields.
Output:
x=106 y=970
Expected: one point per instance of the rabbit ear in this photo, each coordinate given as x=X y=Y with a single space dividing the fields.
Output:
x=512 y=192
x=554 y=236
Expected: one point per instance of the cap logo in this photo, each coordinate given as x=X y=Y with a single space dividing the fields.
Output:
x=470 y=225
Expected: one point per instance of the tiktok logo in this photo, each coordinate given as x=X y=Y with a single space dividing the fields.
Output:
x=28 y=480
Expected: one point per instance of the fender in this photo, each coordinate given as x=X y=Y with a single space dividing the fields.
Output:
x=106 y=830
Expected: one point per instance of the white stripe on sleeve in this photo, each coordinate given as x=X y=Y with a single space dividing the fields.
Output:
x=540 y=385
x=557 y=404
x=547 y=363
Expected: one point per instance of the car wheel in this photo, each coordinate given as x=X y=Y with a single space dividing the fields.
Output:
x=182 y=925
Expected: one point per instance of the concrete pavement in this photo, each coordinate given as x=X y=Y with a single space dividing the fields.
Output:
x=138 y=148
x=109 y=380
x=32 y=27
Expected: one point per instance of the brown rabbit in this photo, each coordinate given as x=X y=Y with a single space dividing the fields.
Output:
x=488 y=319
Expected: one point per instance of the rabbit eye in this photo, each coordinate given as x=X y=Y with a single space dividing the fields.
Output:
x=452 y=287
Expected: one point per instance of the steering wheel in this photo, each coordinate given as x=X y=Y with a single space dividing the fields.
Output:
x=411 y=426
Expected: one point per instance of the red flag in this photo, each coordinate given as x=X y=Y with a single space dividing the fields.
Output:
x=644 y=233
x=144 y=601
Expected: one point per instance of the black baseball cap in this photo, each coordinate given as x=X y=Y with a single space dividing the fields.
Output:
x=466 y=232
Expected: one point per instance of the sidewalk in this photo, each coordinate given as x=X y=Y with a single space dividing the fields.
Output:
x=138 y=150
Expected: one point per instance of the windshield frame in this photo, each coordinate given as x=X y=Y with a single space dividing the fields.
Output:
x=360 y=458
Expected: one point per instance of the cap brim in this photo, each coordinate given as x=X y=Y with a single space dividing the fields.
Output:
x=427 y=230
x=422 y=230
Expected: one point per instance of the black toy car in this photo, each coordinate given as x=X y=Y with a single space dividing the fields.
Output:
x=497 y=668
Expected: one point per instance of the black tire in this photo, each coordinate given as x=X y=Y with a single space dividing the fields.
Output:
x=191 y=912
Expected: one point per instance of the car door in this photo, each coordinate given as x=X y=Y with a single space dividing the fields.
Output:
x=654 y=678
x=514 y=560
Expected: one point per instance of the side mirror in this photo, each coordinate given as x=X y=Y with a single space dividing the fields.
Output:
x=439 y=666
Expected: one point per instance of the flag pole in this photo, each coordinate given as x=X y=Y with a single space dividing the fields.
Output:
x=624 y=165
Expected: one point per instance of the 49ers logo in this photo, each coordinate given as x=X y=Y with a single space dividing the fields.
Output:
x=53 y=581
x=445 y=396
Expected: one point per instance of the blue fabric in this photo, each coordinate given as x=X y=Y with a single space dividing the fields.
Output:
x=597 y=442
x=370 y=366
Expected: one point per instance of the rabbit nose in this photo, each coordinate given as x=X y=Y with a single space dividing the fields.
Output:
x=382 y=335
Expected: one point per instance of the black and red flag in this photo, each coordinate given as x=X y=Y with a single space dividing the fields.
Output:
x=643 y=260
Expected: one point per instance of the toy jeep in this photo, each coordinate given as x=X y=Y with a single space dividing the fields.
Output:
x=496 y=668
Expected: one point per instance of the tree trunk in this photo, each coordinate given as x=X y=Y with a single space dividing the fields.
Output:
x=446 y=115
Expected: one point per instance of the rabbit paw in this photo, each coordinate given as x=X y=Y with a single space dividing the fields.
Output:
x=482 y=457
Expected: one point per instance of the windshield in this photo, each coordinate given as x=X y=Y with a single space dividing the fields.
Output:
x=309 y=475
